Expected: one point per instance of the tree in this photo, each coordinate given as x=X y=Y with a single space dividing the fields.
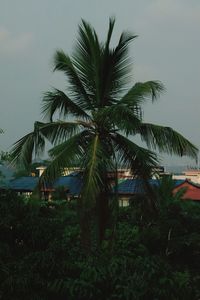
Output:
x=41 y=256
x=5 y=156
x=104 y=110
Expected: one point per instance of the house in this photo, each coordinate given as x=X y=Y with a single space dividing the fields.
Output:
x=27 y=185
x=190 y=175
x=131 y=187
x=24 y=185
x=72 y=183
x=65 y=172
x=192 y=190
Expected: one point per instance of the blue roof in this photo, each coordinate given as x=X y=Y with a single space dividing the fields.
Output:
x=27 y=184
x=136 y=186
x=73 y=183
x=179 y=181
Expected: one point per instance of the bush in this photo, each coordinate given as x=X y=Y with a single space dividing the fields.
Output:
x=153 y=257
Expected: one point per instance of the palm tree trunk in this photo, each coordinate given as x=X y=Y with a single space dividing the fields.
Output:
x=151 y=196
x=103 y=215
x=85 y=215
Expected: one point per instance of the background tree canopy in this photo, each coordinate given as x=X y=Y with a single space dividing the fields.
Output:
x=152 y=258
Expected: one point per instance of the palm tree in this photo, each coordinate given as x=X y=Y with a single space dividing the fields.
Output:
x=103 y=110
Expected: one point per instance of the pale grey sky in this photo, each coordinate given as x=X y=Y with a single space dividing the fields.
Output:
x=167 y=49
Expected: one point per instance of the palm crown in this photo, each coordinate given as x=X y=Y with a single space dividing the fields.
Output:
x=103 y=112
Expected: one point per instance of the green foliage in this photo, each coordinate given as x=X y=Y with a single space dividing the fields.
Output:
x=164 y=192
x=2 y=177
x=60 y=193
x=41 y=255
x=5 y=156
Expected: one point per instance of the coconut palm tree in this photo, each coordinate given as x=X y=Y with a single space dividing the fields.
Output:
x=97 y=114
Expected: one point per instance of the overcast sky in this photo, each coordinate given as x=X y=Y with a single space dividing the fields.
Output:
x=167 y=49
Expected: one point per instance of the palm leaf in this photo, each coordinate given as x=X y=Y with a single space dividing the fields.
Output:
x=115 y=67
x=141 y=161
x=63 y=63
x=34 y=142
x=141 y=92
x=65 y=155
x=167 y=140
x=109 y=34
x=31 y=144
x=87 y=59
x=23 y=149
x=58 y=101
x=103 y=70
x=121 y=64
x=57 y=132
x=120 y=117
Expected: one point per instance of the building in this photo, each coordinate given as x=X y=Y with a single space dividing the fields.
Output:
x=72 y=183
x=132 y=187
x=29 y=184
x=192 y=190
x=189 y=175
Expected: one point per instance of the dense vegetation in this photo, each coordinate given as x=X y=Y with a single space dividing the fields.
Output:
x=151 y=256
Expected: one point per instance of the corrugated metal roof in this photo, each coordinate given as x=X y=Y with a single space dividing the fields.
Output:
x=136 y=186
x=24 y=183
x=73 y=183
x=28 y=184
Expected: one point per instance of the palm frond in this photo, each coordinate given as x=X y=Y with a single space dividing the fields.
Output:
x=106 y=68
x=167 y=140
x=82 y=57
x=141 y=161
x=122 y=63
x=87 y=59
x=59 y=131
x=110 y=31
x=63 y=63
x=23 y=149
x=58 y=101
x=103 y=70
x=120 y=117
x=141 y=92
x=65 y=155
x=31 y=144
x=115 y=67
